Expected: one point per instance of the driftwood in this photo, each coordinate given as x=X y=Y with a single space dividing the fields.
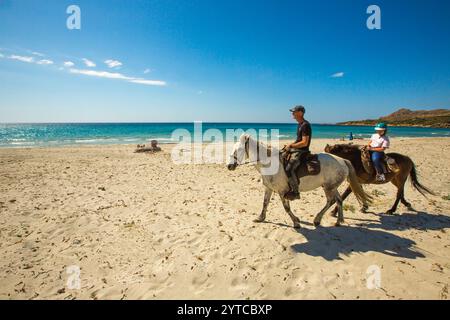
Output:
x=147 y=149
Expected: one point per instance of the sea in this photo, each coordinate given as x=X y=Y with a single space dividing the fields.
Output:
x=66 y=134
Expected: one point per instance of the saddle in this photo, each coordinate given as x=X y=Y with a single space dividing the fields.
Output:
x=389 y=164
x=309 y=164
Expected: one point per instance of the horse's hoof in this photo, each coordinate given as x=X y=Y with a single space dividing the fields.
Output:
x=363 y=210
x=297 y=226
x=390 y=212
x=258 y=220
x=338 y=224
x=316 y=223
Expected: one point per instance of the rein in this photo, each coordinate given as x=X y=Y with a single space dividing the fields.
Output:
x=246 y=148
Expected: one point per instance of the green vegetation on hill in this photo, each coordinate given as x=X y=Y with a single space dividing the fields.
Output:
x=439 y=118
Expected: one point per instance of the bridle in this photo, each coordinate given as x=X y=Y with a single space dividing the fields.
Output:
x=246 y=149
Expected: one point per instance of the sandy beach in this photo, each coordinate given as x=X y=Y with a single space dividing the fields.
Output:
x=139 y=226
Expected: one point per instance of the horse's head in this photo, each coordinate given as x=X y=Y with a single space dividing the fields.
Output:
x=346 y=151
x=334 y=149
x=240 y=152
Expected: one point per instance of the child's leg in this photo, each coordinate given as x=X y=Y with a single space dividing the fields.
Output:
x=376 y=159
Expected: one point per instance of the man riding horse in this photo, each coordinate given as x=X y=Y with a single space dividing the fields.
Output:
x=297 y=151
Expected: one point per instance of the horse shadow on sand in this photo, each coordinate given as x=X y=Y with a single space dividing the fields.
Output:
x=418 y=220
x=332 y=242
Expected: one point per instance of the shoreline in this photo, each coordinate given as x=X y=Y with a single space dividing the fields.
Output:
x=56 y=135
x=170 y=144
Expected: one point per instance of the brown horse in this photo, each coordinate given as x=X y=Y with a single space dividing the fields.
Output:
x=405 y=165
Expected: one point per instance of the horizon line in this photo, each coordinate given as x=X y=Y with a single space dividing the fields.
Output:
x=162 y=122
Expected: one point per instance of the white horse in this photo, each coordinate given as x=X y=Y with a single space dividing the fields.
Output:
x=334 y=170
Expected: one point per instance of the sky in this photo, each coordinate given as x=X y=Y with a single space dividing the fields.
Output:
x=221 y=61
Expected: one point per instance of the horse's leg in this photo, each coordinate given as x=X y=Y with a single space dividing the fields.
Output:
x=331 y=198
x=397 y=200
x=267 y=196
x=343 y=197
x=401 y=185
x=364 y=208
x=406 y=203
x=399 y=182
x=287 y=208
x=339 y=200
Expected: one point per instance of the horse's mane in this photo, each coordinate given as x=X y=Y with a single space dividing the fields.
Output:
x=345 y=147
x=349 y=146
x=270 y=148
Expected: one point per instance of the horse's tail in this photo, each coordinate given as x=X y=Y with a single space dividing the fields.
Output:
x=363 y=198
x=416 y=184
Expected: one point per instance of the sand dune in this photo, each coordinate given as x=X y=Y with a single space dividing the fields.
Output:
x=140 y=227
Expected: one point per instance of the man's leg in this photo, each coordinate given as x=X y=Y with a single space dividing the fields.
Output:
x=292 y=175
x=293 y=179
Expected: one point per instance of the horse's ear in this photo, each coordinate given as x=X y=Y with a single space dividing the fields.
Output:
x=244 y=137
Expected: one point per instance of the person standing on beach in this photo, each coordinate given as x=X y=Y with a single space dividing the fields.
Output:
x=378 y=143
x=298 y=149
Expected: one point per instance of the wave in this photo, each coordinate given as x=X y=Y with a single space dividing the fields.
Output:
x=22 y=143
x=19 y=135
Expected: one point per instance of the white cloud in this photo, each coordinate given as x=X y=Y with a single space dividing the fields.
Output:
x=38 y=54
x=28 y=59
x=147 y=71
x=45 y=62
x=89 y=63
x=118 y=76
x=149 y=82
x=113 y=63
x=22 y=58
x=338 y=75
x=68 y=64
x=100 y=74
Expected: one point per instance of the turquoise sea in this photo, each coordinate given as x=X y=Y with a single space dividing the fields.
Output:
x=31 y=135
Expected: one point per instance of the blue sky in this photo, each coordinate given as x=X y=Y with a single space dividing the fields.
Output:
x=245 y=61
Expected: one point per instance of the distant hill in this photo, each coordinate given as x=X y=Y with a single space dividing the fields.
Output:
x=438 y=118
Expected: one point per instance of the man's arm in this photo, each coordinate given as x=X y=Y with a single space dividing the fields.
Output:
x=300 y=144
